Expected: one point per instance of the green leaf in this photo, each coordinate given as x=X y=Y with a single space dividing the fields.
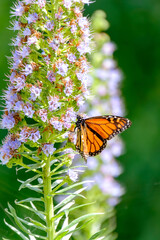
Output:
x=71 y=186
x=25 y=183
x=76 y=221
x=69 y=198
x=98 y=234
x=17 y=221
x=29 y=200
x=16 y=231
x=37 y=212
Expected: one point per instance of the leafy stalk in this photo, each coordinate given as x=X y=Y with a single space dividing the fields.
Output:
x=48 y=200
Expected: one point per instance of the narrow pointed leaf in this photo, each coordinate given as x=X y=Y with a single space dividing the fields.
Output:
x=16 y=231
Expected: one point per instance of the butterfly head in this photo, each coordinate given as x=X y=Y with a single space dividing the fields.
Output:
x=80 y=120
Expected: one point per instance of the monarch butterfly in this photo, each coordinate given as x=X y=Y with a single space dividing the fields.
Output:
x=93 y=133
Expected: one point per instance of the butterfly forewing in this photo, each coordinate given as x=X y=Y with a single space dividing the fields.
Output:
x=108 y=126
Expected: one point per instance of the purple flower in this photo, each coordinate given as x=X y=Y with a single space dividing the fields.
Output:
x=56 y=123
x=16 y=26
x=83 y=48
x=41 y=3
x=32 y=40
x=28 y=69
x=53 y=103
x=35 y=92
x=49 y=25
x=110 y=187
x=28 y=1
x=73 y=175
x=18 y=106
x=35 y=136
x=67 y=3
x=43 y=114
x=27 y=32
x=18 y=10
x=24 y=52
x=112 y=169
x=8 y=121
x=17 y=41
x=92 y=163
x=32 y=17
x=51 y=76
x=62 y=68
x=48 y=149
x=28 y=111
x=24 y=134
x=71 y=57
x=108 y=48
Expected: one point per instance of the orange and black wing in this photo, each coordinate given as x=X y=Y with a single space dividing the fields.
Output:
x=107 y=126
x=93 y=133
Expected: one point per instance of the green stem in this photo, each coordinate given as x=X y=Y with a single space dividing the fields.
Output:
x=48 y=201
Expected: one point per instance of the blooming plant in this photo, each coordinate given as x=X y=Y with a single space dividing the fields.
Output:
x=47 y=85
x=105 y=79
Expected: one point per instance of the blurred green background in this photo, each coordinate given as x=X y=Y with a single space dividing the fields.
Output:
x=135 y=28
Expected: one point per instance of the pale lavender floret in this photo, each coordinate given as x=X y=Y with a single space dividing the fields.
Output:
x=35 y=136
x=41 y=3
x=8 y=121
x=73 y=175
x=18 y=10
x=70 y=115
x=35 y=92
x=83 y=48
x=83 y=22
x=16 y=26
x=28 y=69
x=27 y=32
x=15 y=55
x=53 y=103
x=28 y=111
x=28 y=1
x=102 y=74
x=108 y=48
x=117 y=106
x=49 y=25
x=73 y=28
x=11 y=99
x=56 y=124
x=106 y=155
x=16 y=64
x=92 y=163
x=113 y=201
x=18 y=106
x=109 y=64
x=68 y=89
x=19 y=83
x=112 y=169
x=51 y=76
x=62 y=68
x=102 y=90
x=32 y=17
x=17 y=41
x=14 y=144
x=116 y=147
x=5 y=154
x=48 y=149
x=67 y=3
x=24 y=135
x=43 y=114
x=110 y=187
x=80 y=100
x=24 y=52
x=54 y=45
x=71 y=57
x=32 y=40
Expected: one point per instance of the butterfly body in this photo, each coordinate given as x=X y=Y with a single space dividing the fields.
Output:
x=93 y=133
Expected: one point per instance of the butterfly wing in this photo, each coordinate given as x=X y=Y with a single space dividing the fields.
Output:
x=93 y=134
x=89 y=142
x=108 y=126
